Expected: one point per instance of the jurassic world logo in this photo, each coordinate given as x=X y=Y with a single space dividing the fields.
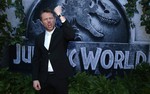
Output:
x=99 y=57
x=96 y=59
x=102 y=36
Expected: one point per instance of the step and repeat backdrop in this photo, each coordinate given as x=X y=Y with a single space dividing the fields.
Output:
x=104 y=42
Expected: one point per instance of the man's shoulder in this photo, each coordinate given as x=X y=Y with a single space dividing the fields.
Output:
x=40 y=35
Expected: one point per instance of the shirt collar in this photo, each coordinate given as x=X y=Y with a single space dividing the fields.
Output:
x=50 y=32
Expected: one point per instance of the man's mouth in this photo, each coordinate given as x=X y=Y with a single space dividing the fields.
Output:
x=49 y=25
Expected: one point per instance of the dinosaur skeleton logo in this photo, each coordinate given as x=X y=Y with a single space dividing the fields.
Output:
x=92 y=20
x=85 y=11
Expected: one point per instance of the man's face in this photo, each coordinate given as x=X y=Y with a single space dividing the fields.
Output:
x=48 y=20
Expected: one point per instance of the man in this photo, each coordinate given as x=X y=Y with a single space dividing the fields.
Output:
x=51 y=67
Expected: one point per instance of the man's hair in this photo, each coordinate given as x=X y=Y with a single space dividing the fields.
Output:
x=47 y=10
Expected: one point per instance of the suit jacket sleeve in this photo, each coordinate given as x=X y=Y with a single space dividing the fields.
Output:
x=36 y=60
x=68 y=31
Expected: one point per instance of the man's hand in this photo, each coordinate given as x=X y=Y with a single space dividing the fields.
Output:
x=58 y=10
x=36 y=85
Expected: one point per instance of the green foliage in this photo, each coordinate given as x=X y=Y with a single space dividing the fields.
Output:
x=83 y=83
x=80 y=84
x=15 y=83
x=101 y=85
x=5 y=26
x=11 y=35
x=145 y=17
x=131 y=10
x=135 y=82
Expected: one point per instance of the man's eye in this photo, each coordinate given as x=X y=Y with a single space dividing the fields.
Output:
x=45 y=19
x=50 y=18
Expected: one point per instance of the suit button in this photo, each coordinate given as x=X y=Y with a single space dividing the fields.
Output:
x=49 y=53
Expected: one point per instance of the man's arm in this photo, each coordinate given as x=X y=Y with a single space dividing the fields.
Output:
x=69 y=33
x=58 y=11
x=35 y=61
x=35 y=66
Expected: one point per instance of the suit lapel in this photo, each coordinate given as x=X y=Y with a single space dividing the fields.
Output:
x=42 y=41
x=54 y=36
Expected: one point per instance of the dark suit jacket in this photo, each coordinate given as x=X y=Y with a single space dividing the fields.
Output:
x=56 y=53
